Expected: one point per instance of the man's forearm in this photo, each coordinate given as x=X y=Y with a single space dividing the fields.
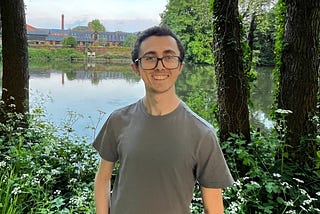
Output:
x=101 y=197
x=212 y=201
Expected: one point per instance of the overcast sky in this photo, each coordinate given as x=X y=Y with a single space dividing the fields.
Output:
x=122 y=15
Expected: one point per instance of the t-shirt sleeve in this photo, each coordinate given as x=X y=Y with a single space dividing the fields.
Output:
x=212 y=170
x=106 y=143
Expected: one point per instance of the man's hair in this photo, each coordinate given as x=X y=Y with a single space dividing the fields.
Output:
x=161 y=30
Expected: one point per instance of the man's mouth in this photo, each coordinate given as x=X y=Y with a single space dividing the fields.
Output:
x=160 y=77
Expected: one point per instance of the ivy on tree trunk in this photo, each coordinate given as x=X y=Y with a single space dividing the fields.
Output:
x=298 y=84
x=233 y=113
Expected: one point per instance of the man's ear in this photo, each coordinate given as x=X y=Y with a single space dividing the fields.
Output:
x=181 y=68
x=135 y=68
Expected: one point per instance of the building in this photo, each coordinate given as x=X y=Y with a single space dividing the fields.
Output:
x=84 y=38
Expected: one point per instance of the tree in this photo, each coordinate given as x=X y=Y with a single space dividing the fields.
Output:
x=258 y=25
x=130 y=40
x=69 y=42
x=96 y=25
x=192 y=21
x=81 y=28
x=233 y=113
x=15 y=84
x=298 y=83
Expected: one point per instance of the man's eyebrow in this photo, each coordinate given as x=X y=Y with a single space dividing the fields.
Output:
x=169 y=51
x=150 y=53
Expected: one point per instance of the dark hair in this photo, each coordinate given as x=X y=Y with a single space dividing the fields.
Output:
x=161 y=30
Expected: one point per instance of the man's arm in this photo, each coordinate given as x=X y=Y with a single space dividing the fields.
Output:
x=212 y=200
x=102 y=186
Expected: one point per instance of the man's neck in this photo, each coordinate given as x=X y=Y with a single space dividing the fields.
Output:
x=160 y=104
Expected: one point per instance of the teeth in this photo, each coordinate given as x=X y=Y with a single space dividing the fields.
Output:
x=160 y=77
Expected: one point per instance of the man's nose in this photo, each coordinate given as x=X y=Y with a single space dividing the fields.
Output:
x=160 y=65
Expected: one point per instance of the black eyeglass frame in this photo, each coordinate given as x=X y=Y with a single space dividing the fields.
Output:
x=160 y=59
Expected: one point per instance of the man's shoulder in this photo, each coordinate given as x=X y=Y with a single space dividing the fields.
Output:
x=126 y=110
x=197 y=120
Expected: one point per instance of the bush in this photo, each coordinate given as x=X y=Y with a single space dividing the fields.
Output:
x=69 y=41
x=273 y=183
x=47 y=55
x=43 y=169
x=46 y=169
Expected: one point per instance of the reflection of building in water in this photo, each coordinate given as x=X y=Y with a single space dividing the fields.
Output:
x=39 y=73
x=101 y=75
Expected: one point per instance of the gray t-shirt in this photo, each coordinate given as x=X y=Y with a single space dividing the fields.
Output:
x=161 y=158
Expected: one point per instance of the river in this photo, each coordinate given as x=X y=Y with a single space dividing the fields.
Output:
x=81 y=97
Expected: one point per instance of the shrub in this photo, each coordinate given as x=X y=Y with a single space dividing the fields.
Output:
x=272 y=185
x=44 y=169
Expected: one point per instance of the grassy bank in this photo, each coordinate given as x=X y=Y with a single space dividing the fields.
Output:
x=46 y=54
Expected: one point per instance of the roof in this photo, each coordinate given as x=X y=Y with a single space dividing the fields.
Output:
x=38 y=32
x=29 y=27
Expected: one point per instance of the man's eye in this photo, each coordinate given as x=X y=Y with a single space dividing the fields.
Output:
x=149 y=58
x=169 y=58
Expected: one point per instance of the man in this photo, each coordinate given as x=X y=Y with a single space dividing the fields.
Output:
x=162 y=147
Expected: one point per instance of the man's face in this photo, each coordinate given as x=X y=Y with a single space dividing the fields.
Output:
x=159 y=79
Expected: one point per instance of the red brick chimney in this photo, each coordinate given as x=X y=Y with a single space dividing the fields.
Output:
x=62 y=22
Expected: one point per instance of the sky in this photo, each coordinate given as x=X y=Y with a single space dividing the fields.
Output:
x=115 y=15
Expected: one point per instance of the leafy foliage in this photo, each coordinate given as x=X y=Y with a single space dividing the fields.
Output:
x=96 y=25
x=192 y=21
x=46 y=55
x=69 y=42
x=43 y=169
x=81 y=28
x=271 y=185
x=130 y=40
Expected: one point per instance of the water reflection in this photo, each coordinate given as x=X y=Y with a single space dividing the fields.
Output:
x=92 y=89
x=262 y=99
x=78 y=96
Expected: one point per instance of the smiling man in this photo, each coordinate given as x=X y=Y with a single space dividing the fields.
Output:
x=163 y=148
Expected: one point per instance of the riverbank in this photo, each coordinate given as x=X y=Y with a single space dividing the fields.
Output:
x=38 y=54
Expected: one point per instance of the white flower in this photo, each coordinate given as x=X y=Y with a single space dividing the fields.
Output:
x=289 y=203
x=3 y=164
x=283 y=111
x=303 y=208
x=277 y=175
x=16 y=190
x=24 y=175
x=54 y=172
x=35 y=181
x=303 y=192
x=57 y=192
x=73 y=180
x=298 y=180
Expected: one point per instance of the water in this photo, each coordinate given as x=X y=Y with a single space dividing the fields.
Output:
x=84 y=95
x=83 y=99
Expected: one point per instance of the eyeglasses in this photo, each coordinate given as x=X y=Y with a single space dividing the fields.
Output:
x=151 y=62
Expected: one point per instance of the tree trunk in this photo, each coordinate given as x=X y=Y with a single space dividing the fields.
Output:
x=233 y=114
x=15 y=84
x=299 y=77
